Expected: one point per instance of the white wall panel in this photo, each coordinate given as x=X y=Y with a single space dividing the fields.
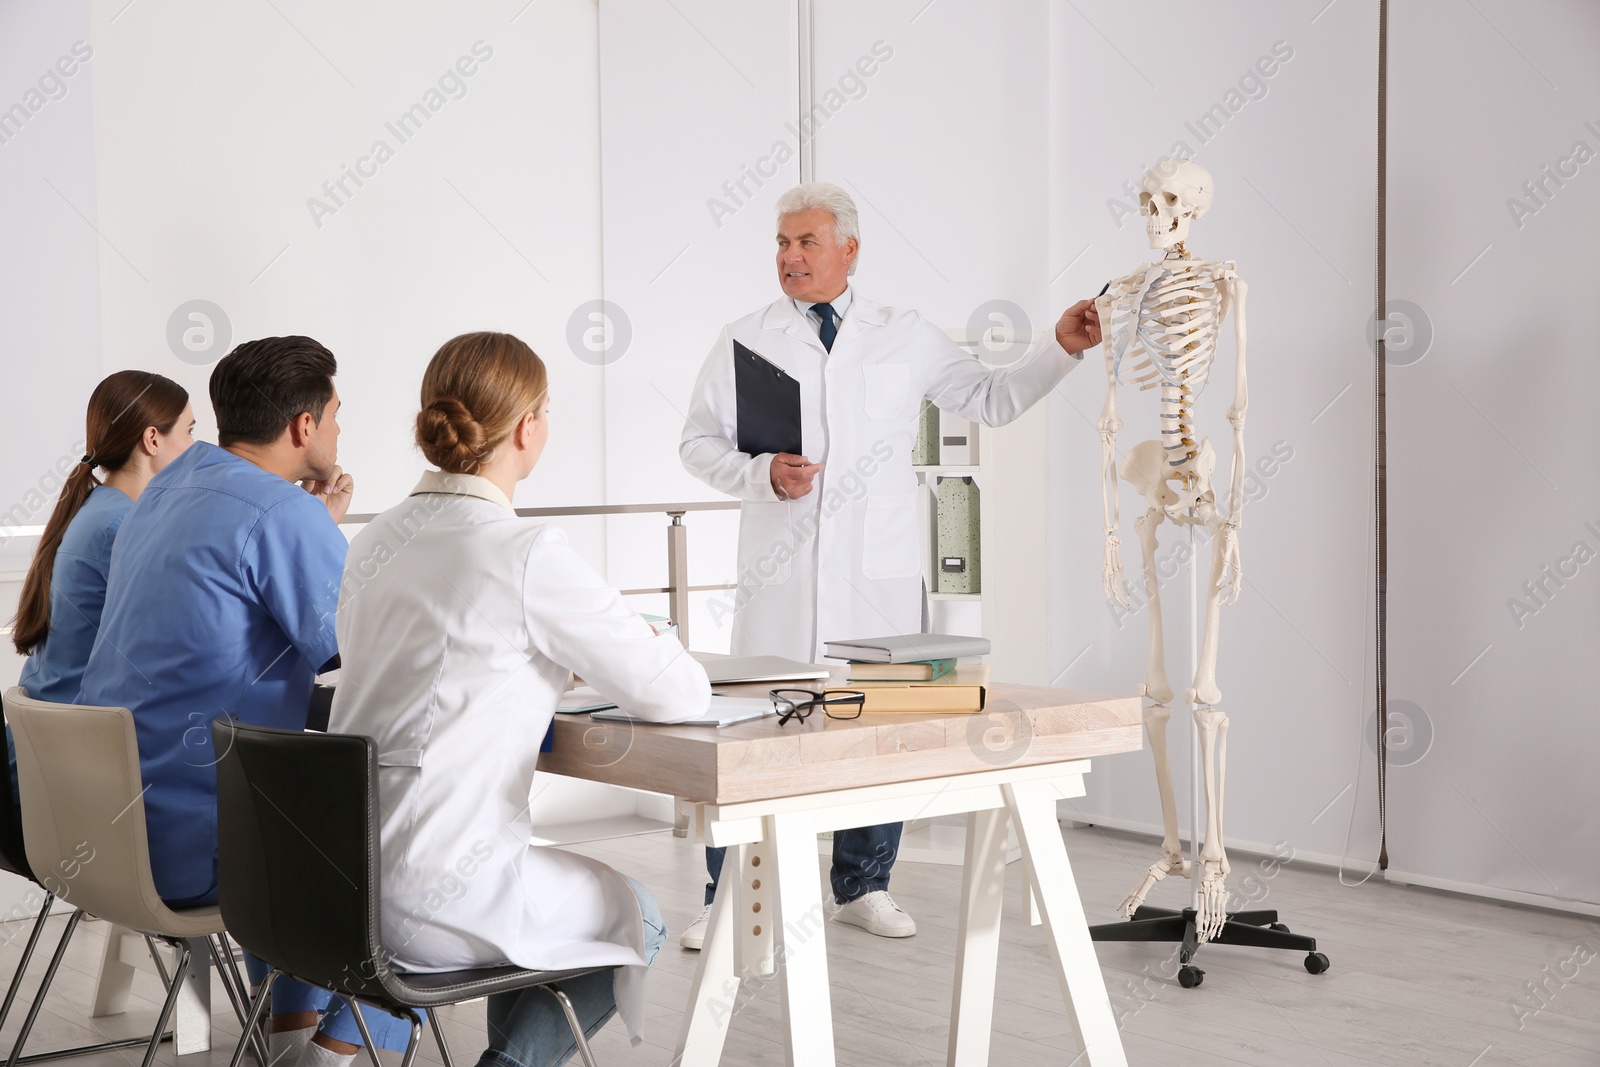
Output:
x=49 y=274
x=943 y=147
x=698 y=105
x=1496 y=521
x=217 y=126
x=935 y=119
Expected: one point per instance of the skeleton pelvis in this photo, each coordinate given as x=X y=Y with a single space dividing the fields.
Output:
x=1149 y=470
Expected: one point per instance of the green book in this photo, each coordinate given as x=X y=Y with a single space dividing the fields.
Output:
x=916 y=671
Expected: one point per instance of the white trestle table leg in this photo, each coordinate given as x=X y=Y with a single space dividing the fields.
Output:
x=754 y=938
x=714 y=993
x=807 y=1009
x=978 y=938
x=1033 y=811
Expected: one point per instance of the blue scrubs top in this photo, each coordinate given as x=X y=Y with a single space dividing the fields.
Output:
x=224 y=581
x=54 y=670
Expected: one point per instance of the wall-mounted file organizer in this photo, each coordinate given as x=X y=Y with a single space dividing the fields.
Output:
x=948 y=446
x=958 y=555
x=958 y=441
x=998 y=585
x=925 y=446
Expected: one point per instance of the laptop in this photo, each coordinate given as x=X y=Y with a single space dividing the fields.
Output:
x=732 y=670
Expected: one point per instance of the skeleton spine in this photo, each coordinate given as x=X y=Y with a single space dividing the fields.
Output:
x=1177 y=406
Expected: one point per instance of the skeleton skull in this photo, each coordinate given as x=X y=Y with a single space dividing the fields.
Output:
x=1175 y=191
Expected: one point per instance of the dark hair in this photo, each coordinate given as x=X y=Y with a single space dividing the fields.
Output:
x=262 y=386
x=121 y=408
x=476 y=389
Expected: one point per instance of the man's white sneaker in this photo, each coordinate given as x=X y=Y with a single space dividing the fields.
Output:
x=694 y=936
x=877 y=913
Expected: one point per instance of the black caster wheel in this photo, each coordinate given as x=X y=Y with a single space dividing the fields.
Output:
x=1280 y=927
x=1316 y=963
x=1189 y=977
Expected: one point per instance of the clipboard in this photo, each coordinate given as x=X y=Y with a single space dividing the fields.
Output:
x=768 y=405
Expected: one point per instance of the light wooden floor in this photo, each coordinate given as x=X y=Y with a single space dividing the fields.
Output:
x=1418 y=979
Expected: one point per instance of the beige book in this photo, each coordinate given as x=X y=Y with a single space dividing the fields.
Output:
x=930 y=697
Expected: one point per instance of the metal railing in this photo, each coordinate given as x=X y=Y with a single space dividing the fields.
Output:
x=677 y=588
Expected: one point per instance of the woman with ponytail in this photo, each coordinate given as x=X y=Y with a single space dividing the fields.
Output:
x=138 y=422
x=459 y=625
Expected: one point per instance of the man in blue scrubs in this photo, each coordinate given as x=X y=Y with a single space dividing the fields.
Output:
x=224 y=581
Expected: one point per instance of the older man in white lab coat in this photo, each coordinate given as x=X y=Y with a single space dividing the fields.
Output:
x=828 y=546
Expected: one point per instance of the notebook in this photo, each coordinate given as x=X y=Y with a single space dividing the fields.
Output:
x=733 y=670
x=580 y=699
x=724 y=711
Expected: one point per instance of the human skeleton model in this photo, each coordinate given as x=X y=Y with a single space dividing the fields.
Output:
x=1170 y=313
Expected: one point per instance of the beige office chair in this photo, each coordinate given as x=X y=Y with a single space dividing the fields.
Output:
x=84 y=830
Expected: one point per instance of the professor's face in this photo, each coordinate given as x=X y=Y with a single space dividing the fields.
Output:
x=812 y=265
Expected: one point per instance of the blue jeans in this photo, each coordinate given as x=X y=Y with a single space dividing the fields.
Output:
x=862 y=857
x=528 y=1029
x=290 y=996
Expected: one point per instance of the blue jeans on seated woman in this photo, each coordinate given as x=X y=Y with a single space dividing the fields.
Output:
x=291 y=996
x=528 y=1029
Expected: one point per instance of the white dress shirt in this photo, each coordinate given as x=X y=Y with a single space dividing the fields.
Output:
x=840 y=304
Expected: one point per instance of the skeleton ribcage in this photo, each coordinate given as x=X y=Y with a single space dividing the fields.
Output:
x=1171 y=317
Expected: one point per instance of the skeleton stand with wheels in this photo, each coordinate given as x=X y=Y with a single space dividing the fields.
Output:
x=1163 y=320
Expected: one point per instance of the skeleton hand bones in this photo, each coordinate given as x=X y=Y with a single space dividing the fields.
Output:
x=1231 y=583
x=1111 y=577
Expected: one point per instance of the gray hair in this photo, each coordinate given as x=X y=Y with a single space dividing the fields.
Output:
x=824 y=196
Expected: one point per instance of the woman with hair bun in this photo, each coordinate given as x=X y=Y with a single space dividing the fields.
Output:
x=459 y=624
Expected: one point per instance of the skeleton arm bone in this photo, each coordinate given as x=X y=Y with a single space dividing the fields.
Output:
x=1111 y=577
x=1233 y=576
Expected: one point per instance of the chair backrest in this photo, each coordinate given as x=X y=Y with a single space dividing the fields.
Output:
x=297 y=829
x=13 y=853
x=83 y=808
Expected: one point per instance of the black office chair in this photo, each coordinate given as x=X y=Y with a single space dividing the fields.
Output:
x=297 y=825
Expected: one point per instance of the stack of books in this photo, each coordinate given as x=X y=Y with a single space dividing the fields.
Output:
x=916 y=672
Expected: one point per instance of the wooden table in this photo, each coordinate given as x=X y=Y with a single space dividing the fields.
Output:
x=765 y=792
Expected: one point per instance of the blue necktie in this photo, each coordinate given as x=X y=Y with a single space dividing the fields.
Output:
x=828 y=331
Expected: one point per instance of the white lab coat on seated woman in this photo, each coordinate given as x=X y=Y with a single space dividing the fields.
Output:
x=458 y=623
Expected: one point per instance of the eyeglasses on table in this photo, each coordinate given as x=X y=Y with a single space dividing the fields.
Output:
x=799 y=703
